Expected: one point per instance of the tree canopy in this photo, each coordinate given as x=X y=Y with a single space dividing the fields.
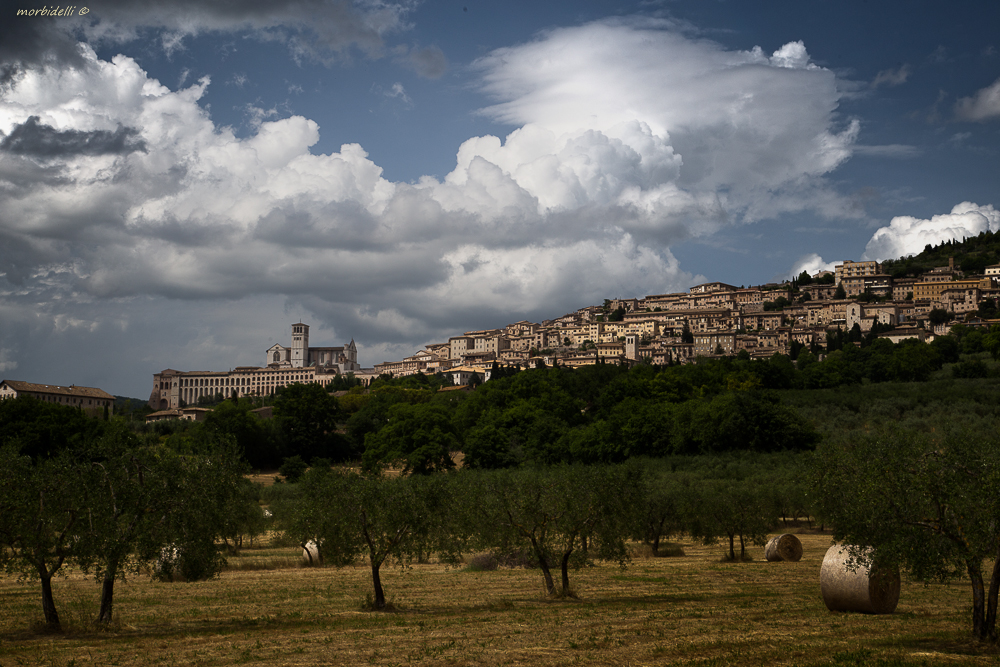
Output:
x=925 y=501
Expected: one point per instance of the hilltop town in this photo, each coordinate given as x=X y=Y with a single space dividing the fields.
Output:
x=720 y=319
x=711 y=319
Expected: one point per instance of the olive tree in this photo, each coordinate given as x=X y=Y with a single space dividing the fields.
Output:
x=563 y=515
x=928 y=502
x=43 y=504
x=144 y=498
x=205 y=491
x=383 y=518
x=662 y=506
x=733 y=509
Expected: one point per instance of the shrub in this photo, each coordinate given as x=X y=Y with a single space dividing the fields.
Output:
x=483 y=563
x=293 y=468
x=972 y=368
x=513 y=557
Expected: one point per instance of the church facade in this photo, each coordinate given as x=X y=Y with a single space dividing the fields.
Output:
x=300 y=355
x=173 y=389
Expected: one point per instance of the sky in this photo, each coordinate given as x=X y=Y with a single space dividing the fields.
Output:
x=182 y=181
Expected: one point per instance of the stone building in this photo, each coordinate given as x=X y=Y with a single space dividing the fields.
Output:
x=174 y=389
x=91 y=400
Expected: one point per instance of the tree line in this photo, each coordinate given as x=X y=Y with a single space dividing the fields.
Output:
x=553 y=518
x=112 y=502
x=118 y=503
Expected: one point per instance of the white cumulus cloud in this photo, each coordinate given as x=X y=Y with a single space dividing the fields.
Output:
x=984 y=105
x=906 y=235
x=677 y=117
x=812 y=264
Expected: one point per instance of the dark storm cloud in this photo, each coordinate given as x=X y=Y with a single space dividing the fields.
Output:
x=340 y=225
x=314 y=28
x=28 y=43
x=34 y=139
x=19 y=175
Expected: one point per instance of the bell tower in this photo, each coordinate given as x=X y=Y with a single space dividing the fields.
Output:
x=300 y=345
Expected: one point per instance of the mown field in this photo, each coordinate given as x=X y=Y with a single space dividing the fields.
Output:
x=691 y=609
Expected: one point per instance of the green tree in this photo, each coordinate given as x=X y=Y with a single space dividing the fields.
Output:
x=43 y=429
x=733 y=508
x=563 y=515
x=205 y=491
x=246 y=520
x=840 y=292
x=42 y=506
x=128 y=501
x=948 y=348
x=662 y=507
x=292 y=468
x=939 y=316
x=421 y=437
x=927 y=502
x=913 y=361
x=255 y=439
x=379 y=517
x=741 y=421
x=991 y=341
x=307 y=417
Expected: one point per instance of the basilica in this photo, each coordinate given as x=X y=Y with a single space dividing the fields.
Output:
x=283 y=366
x=300 y=355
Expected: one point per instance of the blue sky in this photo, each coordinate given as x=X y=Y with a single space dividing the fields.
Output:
x=181 y=182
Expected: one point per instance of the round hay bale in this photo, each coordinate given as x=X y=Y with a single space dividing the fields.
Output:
x=872 y=590
x=311 y=554
x=784 y=547
x=170 y=555
x=168 y=565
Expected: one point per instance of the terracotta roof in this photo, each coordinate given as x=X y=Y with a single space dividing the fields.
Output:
x=72 y=390
x=163 y=413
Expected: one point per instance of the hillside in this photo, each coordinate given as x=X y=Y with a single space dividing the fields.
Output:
x=971 y=255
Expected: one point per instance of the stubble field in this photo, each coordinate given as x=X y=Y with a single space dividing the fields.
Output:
x=691 y=610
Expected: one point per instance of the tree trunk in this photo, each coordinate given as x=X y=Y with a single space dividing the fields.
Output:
x=550 y=585
x=48 y=603
x=377 y=584
x=656 y=546
x=743 y=548
x=732 y=550
x=991 y=600
x=108 y=594
x=565 y=573
x=978 y=600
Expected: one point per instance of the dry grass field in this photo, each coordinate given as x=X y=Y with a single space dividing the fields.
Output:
x=686 y=610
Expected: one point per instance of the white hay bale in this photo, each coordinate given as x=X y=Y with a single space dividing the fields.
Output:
x=784 y=547
x=311 y=554
x=872 y=590
x=168 y=562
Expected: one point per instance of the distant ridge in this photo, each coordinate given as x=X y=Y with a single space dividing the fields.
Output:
x=972 y=255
